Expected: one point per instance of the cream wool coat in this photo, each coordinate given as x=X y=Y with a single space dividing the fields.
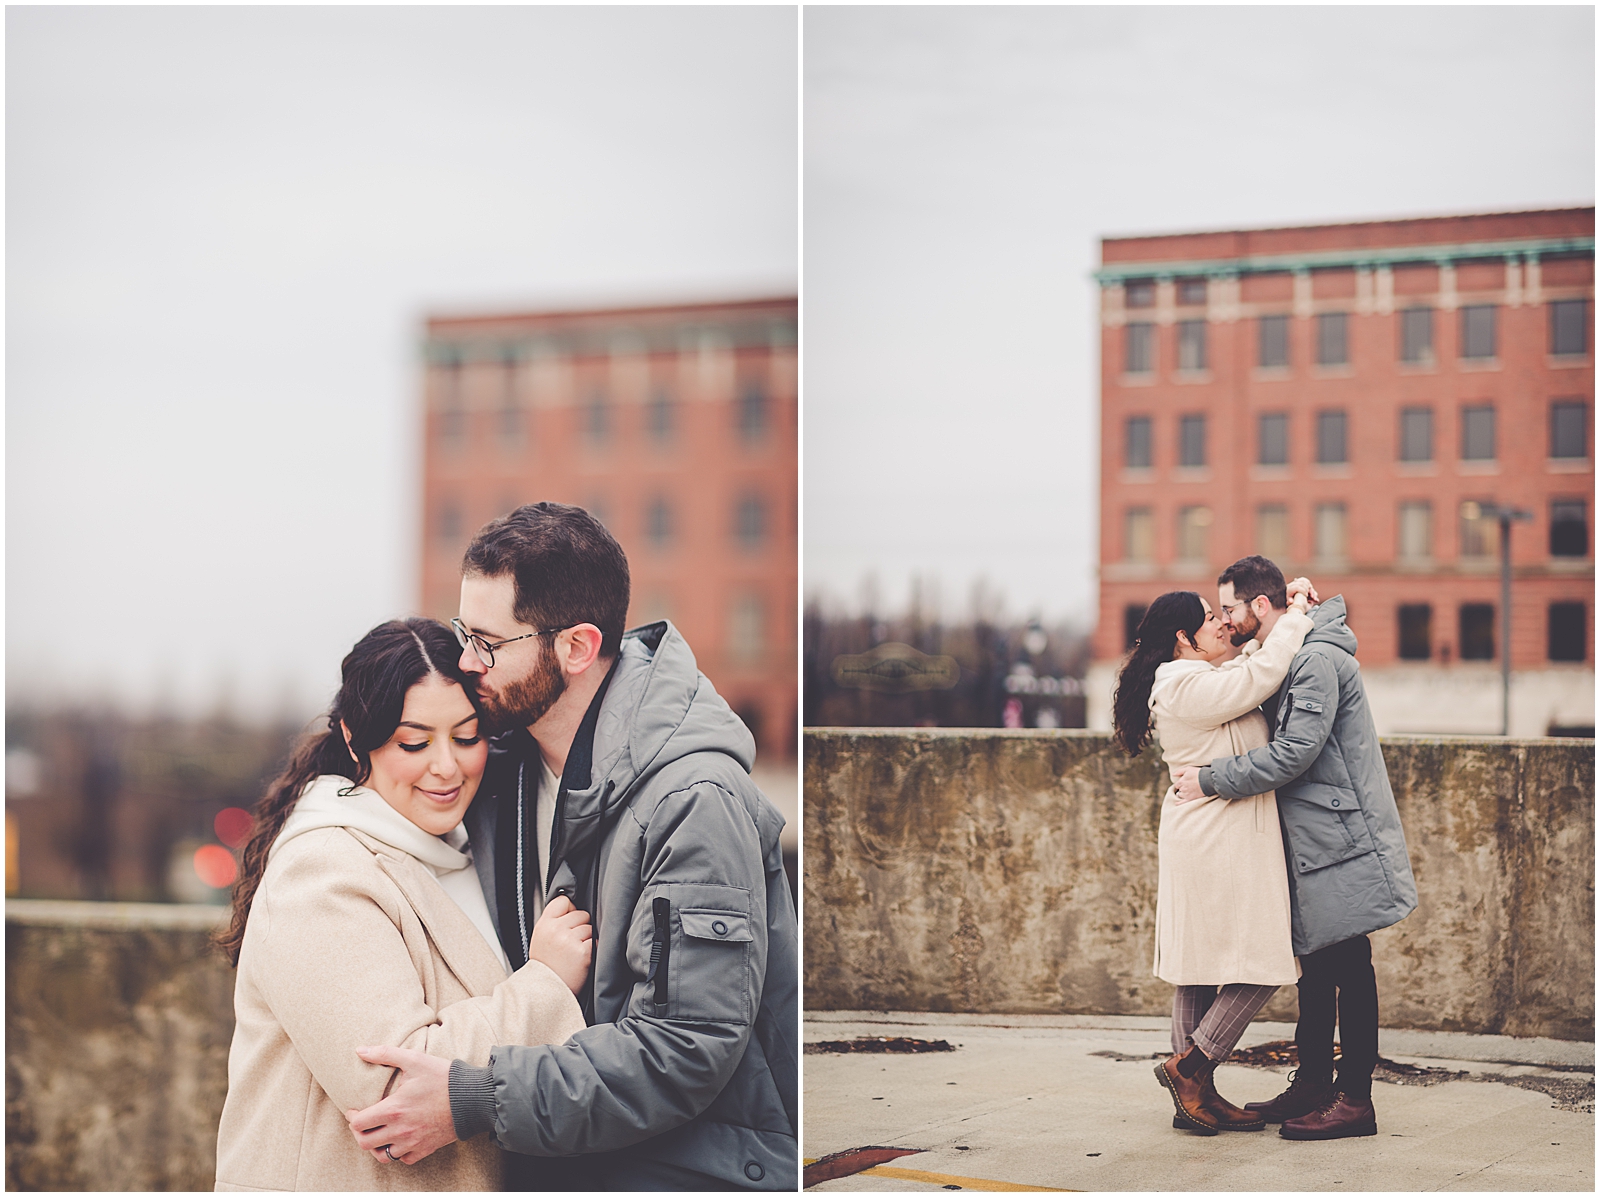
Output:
x=1222 y=895
x=352 y=942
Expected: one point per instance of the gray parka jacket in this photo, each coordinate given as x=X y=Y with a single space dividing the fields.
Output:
x=1348 y=869
x=691 y=1058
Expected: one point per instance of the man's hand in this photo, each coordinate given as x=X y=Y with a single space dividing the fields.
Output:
x=563 y=941
x=414 y=1120
x=1187 y=783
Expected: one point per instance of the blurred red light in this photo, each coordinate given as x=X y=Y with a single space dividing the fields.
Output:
x=215 y=865
x=232 y=826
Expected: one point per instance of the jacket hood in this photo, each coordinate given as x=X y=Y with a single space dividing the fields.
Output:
x=1328 y=625
x=332 y=801
x=658 y=707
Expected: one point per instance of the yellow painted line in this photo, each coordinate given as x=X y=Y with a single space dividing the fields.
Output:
x=966 y=1182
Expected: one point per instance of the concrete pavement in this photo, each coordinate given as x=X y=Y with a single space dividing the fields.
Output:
x=1070 y=1102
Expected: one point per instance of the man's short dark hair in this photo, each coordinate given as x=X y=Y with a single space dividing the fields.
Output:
x=566 y=567
x=1252 y=576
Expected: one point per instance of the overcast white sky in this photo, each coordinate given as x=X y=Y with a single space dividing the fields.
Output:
x=961 y=164
x=223 y=229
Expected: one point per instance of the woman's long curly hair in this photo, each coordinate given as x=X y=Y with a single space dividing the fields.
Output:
x=1174 y=612
x=377 y=674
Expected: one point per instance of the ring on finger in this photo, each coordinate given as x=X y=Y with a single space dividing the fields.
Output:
x=388 y=1152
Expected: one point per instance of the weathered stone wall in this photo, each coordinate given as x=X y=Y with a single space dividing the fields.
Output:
x=1015 y=872
x=118 y=1020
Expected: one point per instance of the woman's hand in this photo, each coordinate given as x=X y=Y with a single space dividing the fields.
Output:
x=1302 y=594
x=563 y=941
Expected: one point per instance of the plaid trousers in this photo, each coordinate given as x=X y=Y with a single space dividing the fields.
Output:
x=1213 y=1020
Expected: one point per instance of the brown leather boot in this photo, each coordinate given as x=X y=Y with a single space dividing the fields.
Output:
x=1303 y=1095
x=1344 y=1117
x=1185 y=1076
x=1224 y=1113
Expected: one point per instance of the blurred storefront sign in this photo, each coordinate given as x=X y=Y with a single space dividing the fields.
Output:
x=896 y=669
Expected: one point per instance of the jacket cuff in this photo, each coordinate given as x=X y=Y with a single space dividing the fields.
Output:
x=1206 y=787
x=471 y=1099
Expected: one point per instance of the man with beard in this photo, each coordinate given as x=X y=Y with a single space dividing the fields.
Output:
x=619 y=782
x=1349 y=874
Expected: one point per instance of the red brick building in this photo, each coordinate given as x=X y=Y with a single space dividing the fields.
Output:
x=1345 y=399
x=677 y=427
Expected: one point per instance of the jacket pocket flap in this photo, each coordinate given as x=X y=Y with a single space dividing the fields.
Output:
x=1308 y=704
x=726 y=926
x=1321 y=794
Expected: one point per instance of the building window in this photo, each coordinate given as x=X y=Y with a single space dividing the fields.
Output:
x=1333 y=339
x=1477 y=631
x=1139 y=535
x=1477 y=433
x=452 y=401
x=747 y=628
x=1138 y=346
x=450 y=523
x=1139 y=293
x=1272 y=531
x=1477 y=331
x=597 y=418
x=1272 y=438
x=1416 y=531
x=1568 y=632
x=1416 y=631
x=1569 y=326
x=1569 y=429
x=1331 y=437
x=1192 y=441
x=658 y=523
x=1416 y=335
x=1569 y=528
x=750 y=521
x=1136 y=445
x=752 y=413
x=1272 y=341
x=1328 y=532
x=660 y=416
x=1132 y=617
x=1480 y=531
x=1194 y=523
x=1191 y=344
x=1416 y=434
x=1191 y=291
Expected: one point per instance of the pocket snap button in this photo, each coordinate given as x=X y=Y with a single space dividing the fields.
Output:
x=1336 y=802
x=721 y=928
x=754 y=1170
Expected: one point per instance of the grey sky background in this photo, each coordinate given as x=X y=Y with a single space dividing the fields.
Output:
x=960 y=165
x=224 y=227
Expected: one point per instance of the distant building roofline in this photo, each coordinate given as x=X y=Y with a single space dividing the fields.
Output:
x=484 y=321
x=1437 y=219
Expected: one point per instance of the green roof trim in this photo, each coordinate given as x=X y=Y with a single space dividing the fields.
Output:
x=1118 y=272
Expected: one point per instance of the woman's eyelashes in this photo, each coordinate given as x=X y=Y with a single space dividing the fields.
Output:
x=463 y=741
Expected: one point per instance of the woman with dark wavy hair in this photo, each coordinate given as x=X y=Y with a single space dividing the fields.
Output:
x=358 y=921
x=1222 y=896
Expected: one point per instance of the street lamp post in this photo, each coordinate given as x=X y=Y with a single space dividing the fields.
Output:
x=1506 y=515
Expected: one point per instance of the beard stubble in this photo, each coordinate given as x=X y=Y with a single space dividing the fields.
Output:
x=526 y=700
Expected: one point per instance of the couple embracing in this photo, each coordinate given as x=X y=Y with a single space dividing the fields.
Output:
x=1280 y=842
x=516 y=918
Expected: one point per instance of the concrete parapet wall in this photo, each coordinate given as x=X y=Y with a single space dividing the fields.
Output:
x=118 y=1021
x=1015 y=872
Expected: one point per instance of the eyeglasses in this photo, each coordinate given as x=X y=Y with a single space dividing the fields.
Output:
x=1228 y=609
x=483 y=649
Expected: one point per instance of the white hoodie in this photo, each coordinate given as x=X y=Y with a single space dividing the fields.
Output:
x=332 y=801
